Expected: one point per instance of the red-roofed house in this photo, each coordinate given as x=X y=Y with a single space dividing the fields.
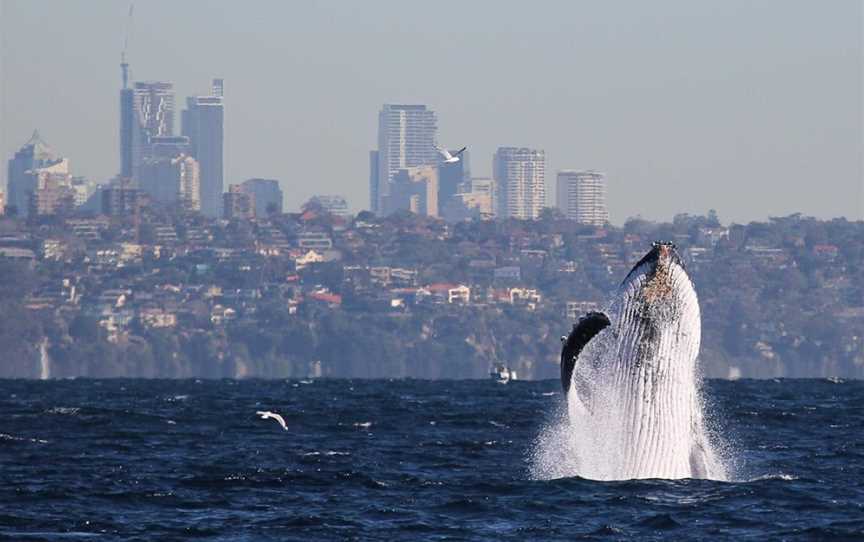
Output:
x=332 y=300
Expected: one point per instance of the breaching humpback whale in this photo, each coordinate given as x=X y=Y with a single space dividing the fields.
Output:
x=632 y=381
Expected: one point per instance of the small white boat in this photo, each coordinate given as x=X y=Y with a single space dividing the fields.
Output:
x=501 y=374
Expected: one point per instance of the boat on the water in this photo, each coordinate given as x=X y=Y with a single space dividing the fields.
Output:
x=502 y=374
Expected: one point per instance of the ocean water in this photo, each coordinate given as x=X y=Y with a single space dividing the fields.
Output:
x=403 y=460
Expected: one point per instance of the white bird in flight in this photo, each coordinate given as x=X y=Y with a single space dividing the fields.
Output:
x=267 y=414
x=451 y=158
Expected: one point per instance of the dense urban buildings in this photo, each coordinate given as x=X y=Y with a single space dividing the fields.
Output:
x=83 y=189
x=474 y=199
x=35 y=159
x=203 y=124
x=120 y=200
x=414 y=189
x=172 y=181
x=237 y=204
x=145 y=292
x=406 y=138
x=52 y=190
x=152 y=156
x=581 y=196
x=266 y=196
x=520 y=179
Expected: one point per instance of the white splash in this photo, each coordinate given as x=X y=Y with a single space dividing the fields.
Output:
x=635 y=407
x=44 y=360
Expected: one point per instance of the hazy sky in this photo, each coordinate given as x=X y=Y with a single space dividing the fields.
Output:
x=752 y=108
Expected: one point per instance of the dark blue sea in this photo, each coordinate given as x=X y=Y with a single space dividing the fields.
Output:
x=402 y=460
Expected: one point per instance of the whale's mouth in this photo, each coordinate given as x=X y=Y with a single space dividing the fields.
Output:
x=658 y=262
x=656 y=270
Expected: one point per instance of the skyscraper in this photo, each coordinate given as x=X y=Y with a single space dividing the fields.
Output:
x=582 y=196
x=153 y=116
x=203 y=125
x=520 y=182
x=23 y=171
x=406 y=138
x=450 y=176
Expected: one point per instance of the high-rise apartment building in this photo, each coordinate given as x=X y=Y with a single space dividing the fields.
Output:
x=53 y=191
x=203 y=124
x=581 y=196
x=406 y=138
x=520 y=182
x=24 y=170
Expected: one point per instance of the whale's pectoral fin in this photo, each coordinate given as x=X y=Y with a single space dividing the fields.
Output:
x=588 y=326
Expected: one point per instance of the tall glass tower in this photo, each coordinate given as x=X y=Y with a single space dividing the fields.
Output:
x=203 y=124
x=406 y=138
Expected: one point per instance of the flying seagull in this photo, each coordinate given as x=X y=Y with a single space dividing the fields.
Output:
x=267 y=414
x=451 y=158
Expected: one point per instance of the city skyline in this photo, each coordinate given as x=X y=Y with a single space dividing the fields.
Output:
x=750 y=129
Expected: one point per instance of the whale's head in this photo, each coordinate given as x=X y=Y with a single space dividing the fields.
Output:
x=656 y=312
x=653 y=321
x=658 y=287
